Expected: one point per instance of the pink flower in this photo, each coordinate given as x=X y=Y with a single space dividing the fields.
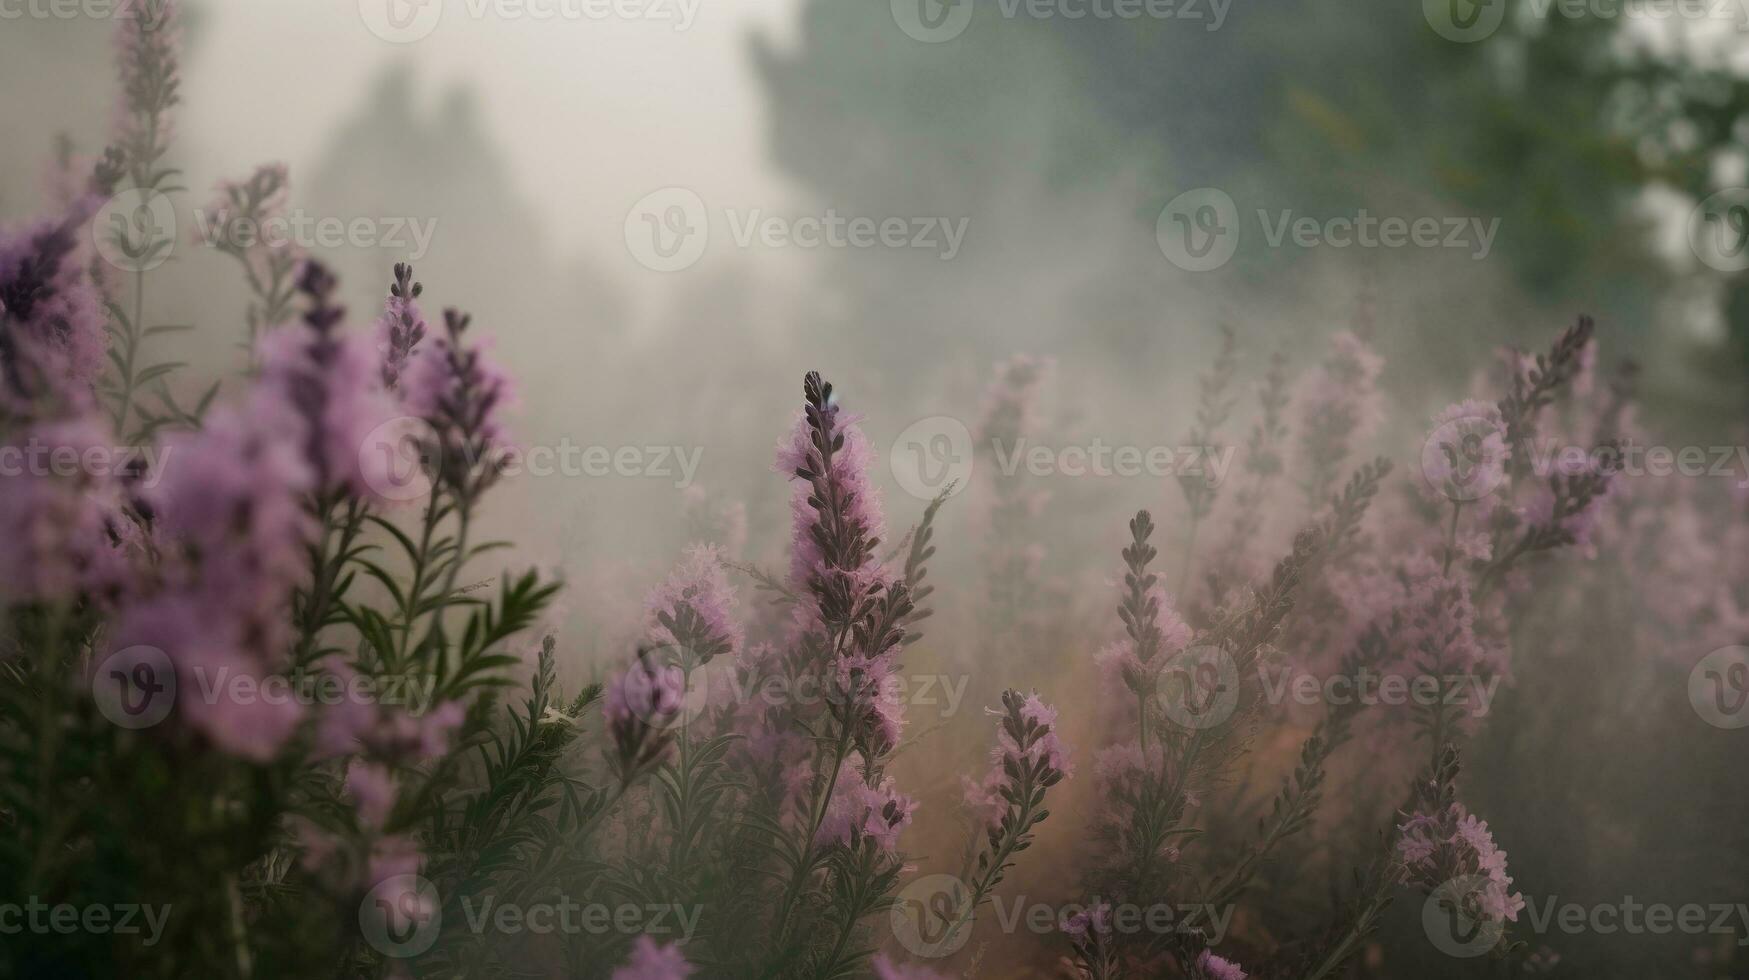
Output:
x=1089 y=921
x=650 y=961
x=61 y=514
x=51 y=315
x=1463 y=459
x=858 y=809
x=401 y=326
x=697 y=600
x=1429 y=844
x=1212 y=967
x=463 y=394
x=335 y=384
x=373 y=790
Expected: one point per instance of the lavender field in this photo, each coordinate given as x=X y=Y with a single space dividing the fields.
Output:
x=771 y=489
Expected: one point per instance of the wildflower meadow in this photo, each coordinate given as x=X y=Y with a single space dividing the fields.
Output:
x=289 y=687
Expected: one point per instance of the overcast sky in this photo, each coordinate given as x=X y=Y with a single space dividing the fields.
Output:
x=633 y=104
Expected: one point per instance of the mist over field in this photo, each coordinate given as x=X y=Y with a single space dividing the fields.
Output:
x=798 y=488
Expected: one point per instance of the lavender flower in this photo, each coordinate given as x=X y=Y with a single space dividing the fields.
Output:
x=1212 y=967
x=401 y=326
x=333 y=382
x=457 y=388
x=694 y=610
x=640 y=706
x=835 y=507
x=1436 y=847
x=52 y=339
x=146 y=45
x=67 y=532
x=233 y=533
x=858 y=810
x=1339 y=407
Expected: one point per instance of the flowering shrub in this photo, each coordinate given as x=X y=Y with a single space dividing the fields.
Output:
x=260 y=681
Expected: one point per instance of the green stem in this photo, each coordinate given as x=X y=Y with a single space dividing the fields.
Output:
x=817 y=810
